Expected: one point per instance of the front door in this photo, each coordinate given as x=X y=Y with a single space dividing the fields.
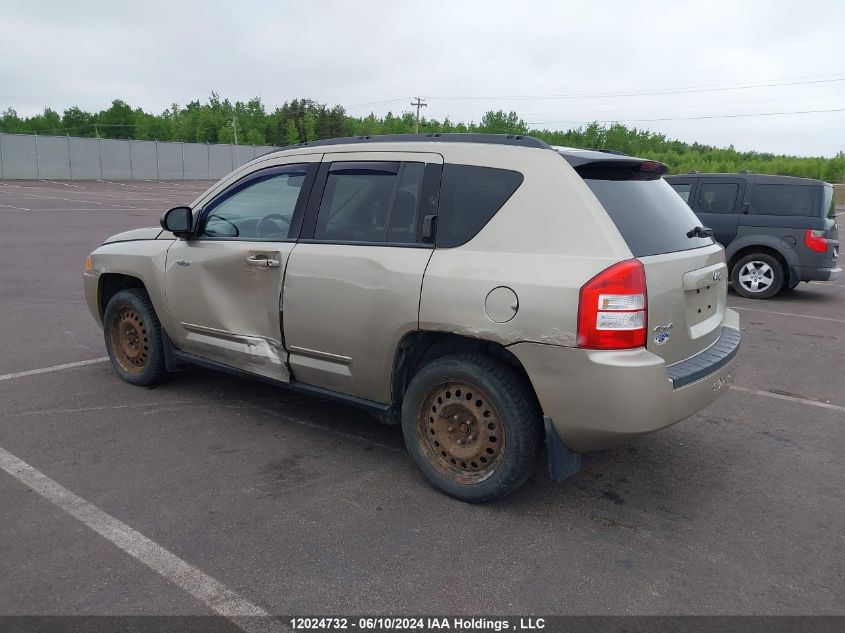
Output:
x=718 y=203
x=223 y=287
x=352 y=287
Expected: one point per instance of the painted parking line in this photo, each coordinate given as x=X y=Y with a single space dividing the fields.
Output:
x=789 y=314
x=45 y=370
x=8 y=206
x=77 y=200
x=63 y=184
x=209 y=591
x=780 y=396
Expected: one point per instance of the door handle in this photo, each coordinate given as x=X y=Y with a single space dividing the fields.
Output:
x=252 y=260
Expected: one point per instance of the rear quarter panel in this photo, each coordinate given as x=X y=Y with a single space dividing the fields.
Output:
x=549 y=238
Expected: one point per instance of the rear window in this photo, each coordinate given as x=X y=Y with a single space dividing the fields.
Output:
x=652 y=218
x=469 y=197
x=787 y=200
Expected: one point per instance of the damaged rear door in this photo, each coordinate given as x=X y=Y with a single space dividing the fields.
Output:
x=223 y=286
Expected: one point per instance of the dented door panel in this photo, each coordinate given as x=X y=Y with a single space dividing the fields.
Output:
x=225 y=307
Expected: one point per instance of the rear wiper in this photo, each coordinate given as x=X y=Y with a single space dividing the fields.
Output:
x=700 y=231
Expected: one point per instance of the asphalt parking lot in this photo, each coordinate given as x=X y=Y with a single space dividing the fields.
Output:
x=301 y=506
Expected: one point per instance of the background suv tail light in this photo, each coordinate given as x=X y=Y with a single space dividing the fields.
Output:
x=612 y=312
x=815 y=240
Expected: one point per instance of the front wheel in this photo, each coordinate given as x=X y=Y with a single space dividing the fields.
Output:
x=473 y=426
x=757 y=276
x=133 y=338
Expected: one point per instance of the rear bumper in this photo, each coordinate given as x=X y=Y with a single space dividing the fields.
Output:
x=810 y=273
x=599 y=399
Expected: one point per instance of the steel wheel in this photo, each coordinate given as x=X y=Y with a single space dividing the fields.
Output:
x=756 y=276
x=130 y=342
x=460 y=432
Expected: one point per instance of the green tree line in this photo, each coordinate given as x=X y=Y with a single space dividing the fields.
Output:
x=302 y=120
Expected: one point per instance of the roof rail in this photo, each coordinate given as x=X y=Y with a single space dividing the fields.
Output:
x=436 y=137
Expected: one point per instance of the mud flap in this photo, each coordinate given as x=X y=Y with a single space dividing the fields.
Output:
x=170 y=362
x=563 y=463
x=793 y=278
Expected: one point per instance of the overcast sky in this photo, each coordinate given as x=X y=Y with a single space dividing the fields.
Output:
x=151 y=54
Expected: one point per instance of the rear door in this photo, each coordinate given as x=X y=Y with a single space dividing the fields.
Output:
x=718 y=203
x=686 y=275
x=352 y=287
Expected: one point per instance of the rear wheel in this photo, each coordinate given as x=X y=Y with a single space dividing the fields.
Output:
x=133 y=338
x=757 y=276
x=472 y=425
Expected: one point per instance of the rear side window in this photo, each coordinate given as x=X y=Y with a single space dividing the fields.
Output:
x=469 y=197
x=370 y=202
x=717 y=197
x=651 y=217
x=786 y=200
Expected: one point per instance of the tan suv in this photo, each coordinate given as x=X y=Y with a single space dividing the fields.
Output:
x=483 y=291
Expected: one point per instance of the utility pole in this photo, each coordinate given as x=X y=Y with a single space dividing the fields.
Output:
x=235 y=157
x=418 y=103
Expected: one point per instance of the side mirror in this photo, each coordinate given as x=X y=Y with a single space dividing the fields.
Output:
x=178 y=221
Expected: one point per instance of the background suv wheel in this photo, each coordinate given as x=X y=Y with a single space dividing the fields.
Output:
x=472 y=425
x=757 y=276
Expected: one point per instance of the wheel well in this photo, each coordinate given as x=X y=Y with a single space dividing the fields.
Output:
x=111 y=284
x=768 y=250
x=420 y=347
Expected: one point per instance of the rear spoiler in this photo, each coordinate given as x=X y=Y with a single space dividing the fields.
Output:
x=595 y=165
x=620 y=169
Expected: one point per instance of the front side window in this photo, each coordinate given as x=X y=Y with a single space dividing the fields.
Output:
x=717 y=197
x=370 y=201
x=261 y=208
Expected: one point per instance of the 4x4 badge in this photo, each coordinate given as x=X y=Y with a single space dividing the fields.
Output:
x=662 y=333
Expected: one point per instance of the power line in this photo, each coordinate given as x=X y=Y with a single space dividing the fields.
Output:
x=372 y=103
x=692 y=105
x=635 y=93
x=688 y=118
x=786 y=81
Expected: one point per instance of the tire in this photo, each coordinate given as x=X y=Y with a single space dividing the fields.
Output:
x=133 y=338
x=472 y=426
x=757 y=276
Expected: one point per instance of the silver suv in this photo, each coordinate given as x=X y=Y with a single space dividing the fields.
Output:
x=486 y=292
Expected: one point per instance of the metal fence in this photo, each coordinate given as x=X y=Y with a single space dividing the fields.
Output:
x=37 y=157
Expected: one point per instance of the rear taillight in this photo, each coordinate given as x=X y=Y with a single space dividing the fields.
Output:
x=612 y=310
x=815 y=240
